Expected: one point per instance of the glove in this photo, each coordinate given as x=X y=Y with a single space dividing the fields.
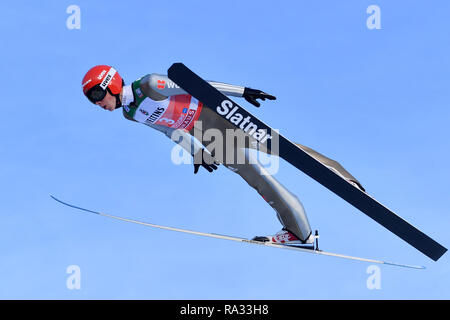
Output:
x=252 y=94
x=206 y=161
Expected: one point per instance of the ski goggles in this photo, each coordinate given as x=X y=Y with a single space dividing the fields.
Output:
x=96 y=94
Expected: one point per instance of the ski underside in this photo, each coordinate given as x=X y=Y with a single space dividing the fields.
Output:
x=242 y=240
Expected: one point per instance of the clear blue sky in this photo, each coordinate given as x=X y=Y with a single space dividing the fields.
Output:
x=375 y=100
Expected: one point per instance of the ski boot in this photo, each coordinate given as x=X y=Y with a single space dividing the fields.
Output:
x=286 y=237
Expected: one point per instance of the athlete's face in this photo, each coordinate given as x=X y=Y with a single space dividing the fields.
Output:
x=108 y=102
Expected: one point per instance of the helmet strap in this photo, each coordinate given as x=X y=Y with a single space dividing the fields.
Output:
x=118 y=102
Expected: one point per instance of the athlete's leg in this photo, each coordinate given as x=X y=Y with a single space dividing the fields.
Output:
x=289 y=209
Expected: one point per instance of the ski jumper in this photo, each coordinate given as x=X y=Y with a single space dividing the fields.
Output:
x=158 y=102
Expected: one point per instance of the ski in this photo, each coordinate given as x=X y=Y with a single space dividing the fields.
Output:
x=224 y=106
x=242 y=240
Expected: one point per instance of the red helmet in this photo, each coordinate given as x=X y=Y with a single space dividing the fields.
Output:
x=100 y=79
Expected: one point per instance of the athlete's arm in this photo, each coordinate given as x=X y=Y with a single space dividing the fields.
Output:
x=159 y=87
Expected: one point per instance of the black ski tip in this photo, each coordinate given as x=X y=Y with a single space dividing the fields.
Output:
x=438 y=253
x=175 y=67
x=54 y=198
x=175 y=64
x=72 y=206
x=57 y=200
